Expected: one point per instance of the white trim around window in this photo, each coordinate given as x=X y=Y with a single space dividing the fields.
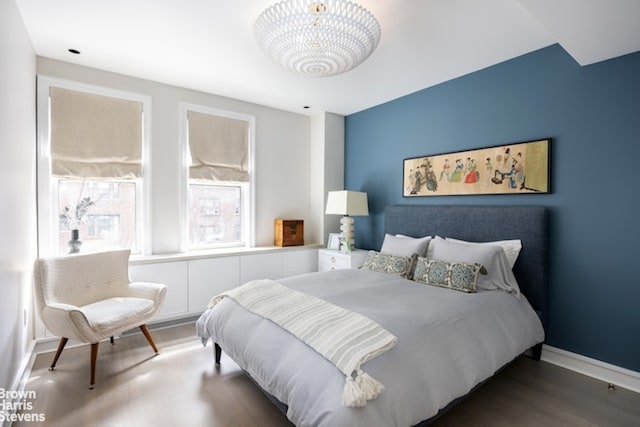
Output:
x=248 y=202
x=47 y=201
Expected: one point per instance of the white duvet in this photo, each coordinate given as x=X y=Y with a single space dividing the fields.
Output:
x=448 y=341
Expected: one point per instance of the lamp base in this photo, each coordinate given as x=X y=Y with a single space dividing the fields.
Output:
x=346 y=228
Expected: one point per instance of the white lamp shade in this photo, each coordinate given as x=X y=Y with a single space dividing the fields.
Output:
x=351 y=203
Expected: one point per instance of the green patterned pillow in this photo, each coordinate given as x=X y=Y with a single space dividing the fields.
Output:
x=459 y=276
x=391 y=264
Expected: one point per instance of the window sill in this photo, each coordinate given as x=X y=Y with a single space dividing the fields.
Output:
x=214 y=253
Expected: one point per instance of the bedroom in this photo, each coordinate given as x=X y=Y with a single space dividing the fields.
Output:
x=593 y=202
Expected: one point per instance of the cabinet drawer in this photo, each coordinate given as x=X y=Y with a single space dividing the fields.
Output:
x=329 y=259
x=332 y=262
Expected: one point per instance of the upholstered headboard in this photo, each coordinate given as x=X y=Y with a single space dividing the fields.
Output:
x=482 y=224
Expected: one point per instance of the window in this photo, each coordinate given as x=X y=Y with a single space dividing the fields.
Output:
x=215 y=215
x=104 y=226
x=104 y=190
x=218 y=170
x=91 y=165
x=101 y=206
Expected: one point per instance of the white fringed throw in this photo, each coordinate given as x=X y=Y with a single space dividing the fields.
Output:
x=345 y=338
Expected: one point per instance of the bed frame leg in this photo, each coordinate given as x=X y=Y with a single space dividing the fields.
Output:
x=218 y=352
x=537 y=351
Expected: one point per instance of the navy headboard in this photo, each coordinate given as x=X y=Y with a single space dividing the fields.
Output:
x=483 y=224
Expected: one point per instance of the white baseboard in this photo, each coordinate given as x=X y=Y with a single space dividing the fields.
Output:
x=24 y=370
x=22 y=377
x=50 y=344
x=620 y=377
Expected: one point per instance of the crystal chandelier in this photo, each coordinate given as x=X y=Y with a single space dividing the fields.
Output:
x=317 y=39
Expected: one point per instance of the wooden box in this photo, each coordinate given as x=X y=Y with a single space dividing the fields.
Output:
x=289 y=232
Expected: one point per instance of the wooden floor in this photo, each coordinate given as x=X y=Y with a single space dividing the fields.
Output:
x=182 y=387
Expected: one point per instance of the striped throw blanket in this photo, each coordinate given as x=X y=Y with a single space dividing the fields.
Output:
x=345 y=338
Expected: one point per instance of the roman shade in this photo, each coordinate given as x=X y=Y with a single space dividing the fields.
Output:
x=219 y=148
x=95 y=136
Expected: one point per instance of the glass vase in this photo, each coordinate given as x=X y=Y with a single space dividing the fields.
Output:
x=75 y=242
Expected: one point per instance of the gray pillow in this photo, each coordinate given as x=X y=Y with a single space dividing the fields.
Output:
x=405 y=245
x=511 y=248
x=493 y=258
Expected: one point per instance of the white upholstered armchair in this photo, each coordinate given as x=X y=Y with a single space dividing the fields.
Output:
x=89 y=298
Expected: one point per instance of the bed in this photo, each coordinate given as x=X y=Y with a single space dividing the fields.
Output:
x=448 y=342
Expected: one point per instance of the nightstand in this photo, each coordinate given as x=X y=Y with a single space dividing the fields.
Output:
x=331 y=259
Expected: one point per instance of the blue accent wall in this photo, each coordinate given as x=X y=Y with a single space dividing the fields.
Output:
x=592 y=114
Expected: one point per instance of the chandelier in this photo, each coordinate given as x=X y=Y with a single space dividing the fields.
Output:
x=317 y=39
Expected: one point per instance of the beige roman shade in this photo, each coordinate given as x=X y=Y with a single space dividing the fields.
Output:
x=94 y=136
x=219 y=148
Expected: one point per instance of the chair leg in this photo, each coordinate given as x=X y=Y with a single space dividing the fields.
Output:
x=94 y=359
x=147 y=335
x=111 y=339
x=61 y=344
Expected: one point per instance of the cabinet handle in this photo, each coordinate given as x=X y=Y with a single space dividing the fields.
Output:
x=333 y=259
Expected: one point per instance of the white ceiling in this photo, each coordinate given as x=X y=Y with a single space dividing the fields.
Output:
x=208 y=45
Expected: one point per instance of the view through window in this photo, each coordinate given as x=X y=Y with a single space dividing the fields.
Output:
x=103 y=212
x=215 y=214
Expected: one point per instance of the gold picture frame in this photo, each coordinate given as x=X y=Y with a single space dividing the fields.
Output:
x=519 y=168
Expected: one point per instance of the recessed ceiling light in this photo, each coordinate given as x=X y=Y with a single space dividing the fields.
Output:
x=74 y=51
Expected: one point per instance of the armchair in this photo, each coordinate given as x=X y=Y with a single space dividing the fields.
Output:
x=89 y=298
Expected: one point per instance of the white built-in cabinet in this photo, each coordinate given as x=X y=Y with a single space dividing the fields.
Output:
x=209 y=277
x=300 y=262
x=192 y=281
x=261 y=266
x=174 y=275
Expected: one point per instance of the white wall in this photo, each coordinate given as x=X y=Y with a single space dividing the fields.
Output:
x=327 y=152
x=282 y=153
x=17 y=192
x=284 y=169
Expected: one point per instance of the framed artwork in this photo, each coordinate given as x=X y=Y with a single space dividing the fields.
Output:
x=519 y=168
x=334 y=241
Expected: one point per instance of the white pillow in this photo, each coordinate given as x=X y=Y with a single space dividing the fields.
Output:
x=431 y=246
x=404 y=245
x=492 y=257
x=425 y=240
x=511 y=247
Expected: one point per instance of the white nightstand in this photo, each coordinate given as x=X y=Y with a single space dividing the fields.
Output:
x=331 y=259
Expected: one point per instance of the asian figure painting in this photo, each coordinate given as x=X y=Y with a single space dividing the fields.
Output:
x=519 y=168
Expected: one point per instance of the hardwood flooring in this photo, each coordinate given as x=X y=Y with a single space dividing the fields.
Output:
x=182 y=387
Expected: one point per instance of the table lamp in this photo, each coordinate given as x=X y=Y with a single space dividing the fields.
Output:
x=348 y=204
